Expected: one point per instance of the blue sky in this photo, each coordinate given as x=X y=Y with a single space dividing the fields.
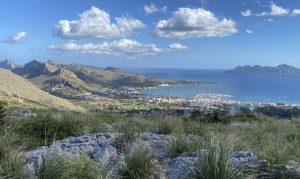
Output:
x=153 y=34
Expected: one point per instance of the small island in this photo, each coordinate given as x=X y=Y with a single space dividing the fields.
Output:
x=257 y=70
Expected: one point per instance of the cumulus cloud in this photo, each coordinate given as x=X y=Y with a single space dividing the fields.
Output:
x=248 y=31
x=247 y=13
x=151 y=9
x=96 y=23
x=188 y=23
x=275 y=11
x=295 y=12
x=122 y=47
x=18 y=37
x=177 y=46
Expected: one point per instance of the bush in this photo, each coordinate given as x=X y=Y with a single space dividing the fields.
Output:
x=198 y=115
x=214 y=116
x=44 y=131
x=215 y=162
x=139 y=164
x=165 y=127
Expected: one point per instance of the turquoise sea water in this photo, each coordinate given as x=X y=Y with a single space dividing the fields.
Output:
x=240 y=88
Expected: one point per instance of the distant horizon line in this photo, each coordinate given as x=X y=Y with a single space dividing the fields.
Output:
x=126 y=67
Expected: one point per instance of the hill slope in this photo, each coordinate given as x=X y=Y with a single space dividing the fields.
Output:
x=75 y=81
x=280 y=70
x=15 y=85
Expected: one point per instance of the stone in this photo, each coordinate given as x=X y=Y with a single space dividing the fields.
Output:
x=240 y=157
x=180 y=167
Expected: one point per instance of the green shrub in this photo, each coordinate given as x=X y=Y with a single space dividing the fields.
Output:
x=44 y=131
x=165 y=126
x=198 y=115
x=141 y=164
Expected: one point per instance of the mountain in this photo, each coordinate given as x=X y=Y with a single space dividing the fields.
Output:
x=17 y=89
x=280 y=70
x=74 y=81
x=8 y=64
x=34 y=69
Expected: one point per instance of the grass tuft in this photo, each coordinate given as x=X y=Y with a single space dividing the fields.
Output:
x=215 y=162
x=139 y=164
x=182 y=144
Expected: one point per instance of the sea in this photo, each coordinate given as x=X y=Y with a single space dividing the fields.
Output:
x=268 y=89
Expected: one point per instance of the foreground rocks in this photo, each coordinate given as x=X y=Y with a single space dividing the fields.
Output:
x=100 y=148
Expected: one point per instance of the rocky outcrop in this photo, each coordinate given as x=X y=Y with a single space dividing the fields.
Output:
x=8 y=64
x=100 y=148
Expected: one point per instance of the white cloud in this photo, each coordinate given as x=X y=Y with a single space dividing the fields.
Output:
x=247 y=13
x=151 y=9
x=177 y=46
x=275 y=11
x=295 y=12
x=122 y=47
x=96 y=23
x=269 y=20
x=188 y=23
x=18 y=37
x=248 y=31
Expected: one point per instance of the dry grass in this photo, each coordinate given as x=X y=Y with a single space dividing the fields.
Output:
x=16 y=85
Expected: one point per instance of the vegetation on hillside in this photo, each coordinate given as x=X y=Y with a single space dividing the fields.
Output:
x=273 y=140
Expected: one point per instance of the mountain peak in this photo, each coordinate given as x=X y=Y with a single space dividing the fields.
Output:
x=7 y=64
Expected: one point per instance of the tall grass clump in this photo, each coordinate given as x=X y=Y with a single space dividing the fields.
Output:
x=11 y=160
x=84 y=168
x=2 y=113
x=12 y=165
x=183 y=145
x=44 y=129
x=56 y=166
x=141 y=163
x=166 y=126
x=122 y=141
x=214 y=163
x=53 y=167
